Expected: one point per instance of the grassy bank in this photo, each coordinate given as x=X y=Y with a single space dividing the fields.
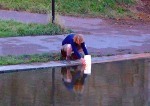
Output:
x=12 y=28
x=39 y=6
x=45 y=57
x=108 y=8
x=105 y=8
x=24 y=59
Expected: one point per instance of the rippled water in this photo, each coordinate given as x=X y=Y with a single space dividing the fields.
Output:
x=123 y=83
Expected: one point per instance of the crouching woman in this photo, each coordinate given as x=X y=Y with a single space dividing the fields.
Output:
x=72 y=46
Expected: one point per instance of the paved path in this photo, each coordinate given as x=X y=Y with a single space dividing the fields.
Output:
x=101 y=36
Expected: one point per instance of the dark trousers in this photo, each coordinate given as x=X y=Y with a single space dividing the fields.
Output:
x=64 y=54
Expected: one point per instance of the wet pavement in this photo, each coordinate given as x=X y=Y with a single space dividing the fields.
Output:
x=102 y=45
x=121 y=83
x=102 y=37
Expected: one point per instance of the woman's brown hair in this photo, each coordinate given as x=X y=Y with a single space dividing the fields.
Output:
x=78 y=38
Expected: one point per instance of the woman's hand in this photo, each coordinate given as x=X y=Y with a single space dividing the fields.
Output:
x=83 y=61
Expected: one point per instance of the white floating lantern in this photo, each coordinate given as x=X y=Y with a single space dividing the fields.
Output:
x=88 y=64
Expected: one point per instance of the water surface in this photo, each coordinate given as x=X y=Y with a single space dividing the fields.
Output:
x=122 y=83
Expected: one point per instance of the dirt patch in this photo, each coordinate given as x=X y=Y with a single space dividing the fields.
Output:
x=129 y=26
x=142 y=10
x=129 y=22
x=140 y=16
x=144 y=6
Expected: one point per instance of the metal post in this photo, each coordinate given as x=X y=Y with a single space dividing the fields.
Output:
x=53 y=11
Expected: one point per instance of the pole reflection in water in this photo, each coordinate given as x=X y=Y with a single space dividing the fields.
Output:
x=53 y=87
x=122 y=83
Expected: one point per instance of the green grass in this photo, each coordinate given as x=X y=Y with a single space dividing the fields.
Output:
x=93 y=7
x=35 y=58
x=39 y=6
x=24 y=59
x=12 y=28
x=70 y=7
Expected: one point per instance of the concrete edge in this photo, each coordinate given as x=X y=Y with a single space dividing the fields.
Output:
x=52 y=64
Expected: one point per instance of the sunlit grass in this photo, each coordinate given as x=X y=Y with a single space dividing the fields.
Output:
x=24 y=59
x=69 y=7
x=45 y=57
x=12 y=28
x=39 y=6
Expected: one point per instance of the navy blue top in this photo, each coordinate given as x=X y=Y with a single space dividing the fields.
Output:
x=69 y=40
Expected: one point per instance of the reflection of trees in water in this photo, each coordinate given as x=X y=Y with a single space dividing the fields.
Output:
x=119 y=83
x=110 y=84
x=26 y=88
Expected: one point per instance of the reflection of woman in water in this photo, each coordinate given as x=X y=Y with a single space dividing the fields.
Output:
x=74 y=78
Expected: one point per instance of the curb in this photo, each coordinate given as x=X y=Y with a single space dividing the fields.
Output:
x=53 y=64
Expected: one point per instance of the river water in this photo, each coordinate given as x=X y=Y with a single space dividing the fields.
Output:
x=122 y=83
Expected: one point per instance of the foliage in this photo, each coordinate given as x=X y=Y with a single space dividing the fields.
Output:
x=23 y=59
x=69 y=7
x=12 y=28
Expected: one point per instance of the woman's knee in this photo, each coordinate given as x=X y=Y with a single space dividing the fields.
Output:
x=69 y=48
